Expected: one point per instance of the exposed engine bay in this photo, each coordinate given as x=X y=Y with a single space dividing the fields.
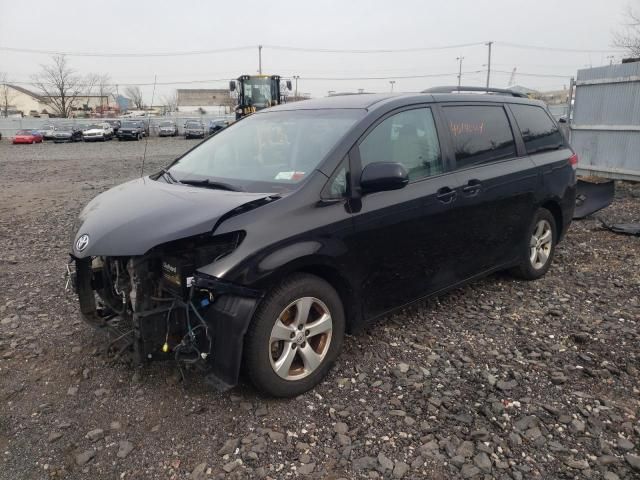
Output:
x=158 y=307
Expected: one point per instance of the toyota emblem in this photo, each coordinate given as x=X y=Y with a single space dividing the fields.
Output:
x=82 y=242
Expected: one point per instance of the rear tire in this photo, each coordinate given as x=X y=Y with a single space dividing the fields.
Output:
x=294 y=337
x=539 y=248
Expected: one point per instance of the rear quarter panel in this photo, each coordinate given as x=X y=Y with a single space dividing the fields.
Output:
x=557 y=182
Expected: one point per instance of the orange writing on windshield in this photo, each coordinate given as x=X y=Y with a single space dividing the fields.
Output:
x=465 y=127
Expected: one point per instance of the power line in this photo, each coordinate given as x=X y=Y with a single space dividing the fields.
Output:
x=120 y=54
x=314 y=78
x=128 y=84
x=231 y=49
x=300 y=49
x=390 y=77
x=554 y=49
x=366 y=51
x=540 y=75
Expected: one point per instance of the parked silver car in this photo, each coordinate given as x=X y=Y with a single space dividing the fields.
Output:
x=167 y=128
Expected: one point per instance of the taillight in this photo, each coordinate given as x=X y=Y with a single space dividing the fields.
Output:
x=573 y=160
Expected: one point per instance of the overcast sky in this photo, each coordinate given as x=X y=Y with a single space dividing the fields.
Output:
x=143 y=26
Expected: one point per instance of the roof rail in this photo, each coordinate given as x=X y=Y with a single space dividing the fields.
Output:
x=462 y=89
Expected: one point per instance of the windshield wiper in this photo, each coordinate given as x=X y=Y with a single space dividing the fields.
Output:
x=167 y=173
x=209 y=184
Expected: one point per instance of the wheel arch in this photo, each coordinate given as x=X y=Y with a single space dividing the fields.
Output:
x=331 y=274
x=554 y=207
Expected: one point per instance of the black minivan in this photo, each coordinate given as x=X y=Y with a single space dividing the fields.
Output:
x=258 y=248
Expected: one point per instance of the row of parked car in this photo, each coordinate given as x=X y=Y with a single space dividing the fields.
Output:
x=120 y=129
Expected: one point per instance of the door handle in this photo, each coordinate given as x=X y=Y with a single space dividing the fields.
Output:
x=472 y=188
x=446 y=195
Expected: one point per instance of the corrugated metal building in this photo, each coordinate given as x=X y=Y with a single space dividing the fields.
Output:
x=209 y=100
x=605 y=125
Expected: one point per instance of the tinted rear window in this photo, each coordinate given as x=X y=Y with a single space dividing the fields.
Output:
x=539 y=132
x=480 y=134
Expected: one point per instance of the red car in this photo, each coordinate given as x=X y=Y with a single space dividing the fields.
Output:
x=27 y=136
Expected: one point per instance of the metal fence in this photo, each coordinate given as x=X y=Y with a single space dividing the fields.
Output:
x=605 y=121
x=9 y=126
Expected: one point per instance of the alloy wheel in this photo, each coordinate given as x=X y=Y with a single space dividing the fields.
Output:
x=540 y=244
x=300 y=338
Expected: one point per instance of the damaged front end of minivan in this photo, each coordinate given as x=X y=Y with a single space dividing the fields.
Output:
x=153 y=302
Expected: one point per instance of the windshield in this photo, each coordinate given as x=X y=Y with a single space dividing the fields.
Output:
x=193 y=125
x=267 y=152
x=24 y=132
x=129 y=124
x=257 y=92
x=95 y=126
x=64 y=128
x=166 y=124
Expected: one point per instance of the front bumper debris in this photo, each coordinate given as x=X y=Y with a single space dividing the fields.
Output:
x=203 y=326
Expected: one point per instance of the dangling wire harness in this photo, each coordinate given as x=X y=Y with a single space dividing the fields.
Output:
x=187 y=351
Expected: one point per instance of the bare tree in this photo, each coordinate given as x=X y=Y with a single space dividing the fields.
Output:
x=629 y=37
x=105 y=88
x=170 y=102
x=60 y=85
x=90 y=84
x=135 y=95
x=7 y=95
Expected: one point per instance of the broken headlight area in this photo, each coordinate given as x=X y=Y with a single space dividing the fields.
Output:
x=151 y=305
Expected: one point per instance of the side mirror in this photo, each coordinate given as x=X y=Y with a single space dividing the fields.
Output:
x=383 y=176
x=288 y=84
x=232 y=85
x=562 y=119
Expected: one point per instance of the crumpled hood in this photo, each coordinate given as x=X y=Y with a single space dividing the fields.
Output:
x=138 y=215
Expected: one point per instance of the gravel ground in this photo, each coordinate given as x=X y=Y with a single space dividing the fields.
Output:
x=500 y=379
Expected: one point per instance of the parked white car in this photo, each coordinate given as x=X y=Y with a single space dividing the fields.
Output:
x=47 y=131
x=97 y=132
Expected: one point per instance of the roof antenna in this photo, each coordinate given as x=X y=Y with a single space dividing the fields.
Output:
x=146 y=139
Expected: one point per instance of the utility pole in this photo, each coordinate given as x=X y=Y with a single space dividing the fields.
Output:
x=392 y=82
x=459 y=71
x=296 y=77
x=489 y=64
x=259 y=59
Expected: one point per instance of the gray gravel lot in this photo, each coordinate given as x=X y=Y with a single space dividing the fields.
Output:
x=500 y=379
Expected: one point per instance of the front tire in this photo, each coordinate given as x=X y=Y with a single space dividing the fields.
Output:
x=540 y=246
x=295 y=336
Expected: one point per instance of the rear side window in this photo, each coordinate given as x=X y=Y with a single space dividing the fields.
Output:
x=480 y=134
x=408 y=137
x=539 y=132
